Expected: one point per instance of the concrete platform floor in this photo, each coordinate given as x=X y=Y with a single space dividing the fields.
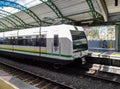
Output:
x=15 y=81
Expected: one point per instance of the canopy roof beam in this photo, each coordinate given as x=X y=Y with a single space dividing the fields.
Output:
x=22 y=8
x=103 y=8
x=16 y=18
x=8 y=20
x=55 y=9
x=96 y=16
x=4 y=25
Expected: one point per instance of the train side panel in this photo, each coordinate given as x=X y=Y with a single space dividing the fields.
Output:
x=59 y=44
x=54 y=44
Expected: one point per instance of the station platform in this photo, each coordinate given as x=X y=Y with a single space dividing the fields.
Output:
x=8 y=81
x=108 y=57
x=111 y=55
x=105 y=68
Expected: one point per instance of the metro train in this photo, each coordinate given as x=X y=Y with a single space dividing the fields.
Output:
x=58 y=44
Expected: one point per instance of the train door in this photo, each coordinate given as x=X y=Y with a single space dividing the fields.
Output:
x=13 y=43
x=53 y=42
x=10 y=44
x=42 y=44
x=56 y=44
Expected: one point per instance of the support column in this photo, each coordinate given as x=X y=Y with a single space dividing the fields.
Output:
x=118 y=38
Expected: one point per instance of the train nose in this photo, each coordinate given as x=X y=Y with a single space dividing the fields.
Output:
x=77 y=54
x=80 y=54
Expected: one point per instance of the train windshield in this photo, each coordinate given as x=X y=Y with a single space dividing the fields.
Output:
x=79 y=41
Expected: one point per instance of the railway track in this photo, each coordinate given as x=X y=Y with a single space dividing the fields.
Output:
x=67 y=78
x=87 y=71
x=110 y=77
x=37 y=81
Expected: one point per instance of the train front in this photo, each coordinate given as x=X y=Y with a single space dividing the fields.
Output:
x=80 y=46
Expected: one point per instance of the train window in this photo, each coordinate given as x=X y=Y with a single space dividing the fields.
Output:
x=13 y=41
x=24 y=41
x=2 y=40
x=56 y=40
x=28 y=40
x=42 y=41
x=6 y=41
x=10 y=40
x=79 y=40
x=37 y=41
x=20 y=41
x=33 y=40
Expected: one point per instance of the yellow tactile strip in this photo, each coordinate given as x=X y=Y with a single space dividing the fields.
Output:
x=6 y=85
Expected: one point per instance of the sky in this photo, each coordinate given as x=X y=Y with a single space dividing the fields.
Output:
x=26 y=3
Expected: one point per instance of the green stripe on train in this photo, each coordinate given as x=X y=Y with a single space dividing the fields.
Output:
x=29 y=51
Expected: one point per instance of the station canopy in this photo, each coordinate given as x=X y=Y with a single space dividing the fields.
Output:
x=19 y=14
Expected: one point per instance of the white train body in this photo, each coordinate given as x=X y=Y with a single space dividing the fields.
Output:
x=60 y=44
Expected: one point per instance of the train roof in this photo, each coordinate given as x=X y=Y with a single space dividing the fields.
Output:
x=52 y=27
x=66 y=26
x=44 y=30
